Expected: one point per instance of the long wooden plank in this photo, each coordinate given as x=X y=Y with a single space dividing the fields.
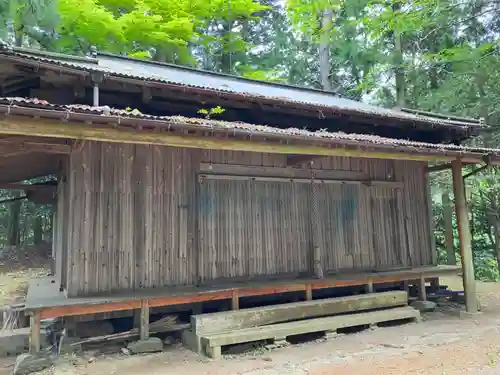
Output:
x=129 y=304
x=82 y=309
x=257 y=316
x=16 y=125
x=311 y=325
x=255 y=171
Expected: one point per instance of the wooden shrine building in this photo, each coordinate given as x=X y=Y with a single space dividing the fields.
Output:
x=287 y=190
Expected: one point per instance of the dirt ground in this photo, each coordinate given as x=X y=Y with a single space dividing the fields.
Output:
x=442 y=344
x=17 y=267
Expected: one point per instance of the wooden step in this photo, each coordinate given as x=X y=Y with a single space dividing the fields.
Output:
x=258 y=316
x=212 y=343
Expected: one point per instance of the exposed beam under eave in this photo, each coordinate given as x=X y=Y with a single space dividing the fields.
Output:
x=293 y=160
x=20 y=146
x=10 y=153
x=438 y=167
x=21 y=125
x=21 y=186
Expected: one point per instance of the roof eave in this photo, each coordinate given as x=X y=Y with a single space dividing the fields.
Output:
x=98 y=127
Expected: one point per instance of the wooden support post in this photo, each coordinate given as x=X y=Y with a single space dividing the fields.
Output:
x=308 y=292
x=35 y=332
x=316 y=231
x=465 y=238
x=432 y=237
x=235 y=300
x=369 y=286
x=422 y=294
x=144 y=329
x=448 y=227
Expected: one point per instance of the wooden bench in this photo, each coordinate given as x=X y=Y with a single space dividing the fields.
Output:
x=205 y=325
x=213 y=343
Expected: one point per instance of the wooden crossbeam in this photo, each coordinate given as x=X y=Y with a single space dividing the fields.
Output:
x=19 y=186
x=20 y=145
x=58 y=129
x=9 y=153
x=293 y=160
x=438 y=167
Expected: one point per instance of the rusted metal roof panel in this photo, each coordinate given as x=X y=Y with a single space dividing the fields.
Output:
x=251 y=90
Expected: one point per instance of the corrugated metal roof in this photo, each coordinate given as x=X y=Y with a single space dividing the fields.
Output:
x=220 y=83
x=112 y=115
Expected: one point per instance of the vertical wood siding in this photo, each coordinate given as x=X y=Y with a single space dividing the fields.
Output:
x=142 y=216
x=129 y=227
x=252 y=228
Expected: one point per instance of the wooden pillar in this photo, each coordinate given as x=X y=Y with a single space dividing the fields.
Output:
x=235 y=300
x=35 y=332
x=422 y=293
x=432 y=237
x=465 y=238
x=369 y=286
x=316 y=231
x=448 y=227
x=144 y=328
x=308 y=292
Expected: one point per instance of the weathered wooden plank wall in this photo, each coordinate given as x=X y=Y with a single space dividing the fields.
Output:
x=253 y=228
x=141 y=216
x=129 y=226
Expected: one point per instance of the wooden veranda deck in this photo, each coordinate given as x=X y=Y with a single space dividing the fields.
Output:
x=44 y=299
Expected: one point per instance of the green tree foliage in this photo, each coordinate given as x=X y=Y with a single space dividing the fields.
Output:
x=159 y=29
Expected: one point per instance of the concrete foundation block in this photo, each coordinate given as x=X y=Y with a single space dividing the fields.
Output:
x=214 y=353
x=151 y=345
x=424 y=306
x=28 y=363
x=16 y=341
x=192 y=341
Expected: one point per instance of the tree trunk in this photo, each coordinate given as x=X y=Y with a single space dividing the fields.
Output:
x=37 y=228
x=14 y=216
x=448 y=227
x=324 y=51
x=496 y=232
x=399 y=72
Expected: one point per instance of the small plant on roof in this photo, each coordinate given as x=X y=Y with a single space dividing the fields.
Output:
x=212 y=111
x=134 y=111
